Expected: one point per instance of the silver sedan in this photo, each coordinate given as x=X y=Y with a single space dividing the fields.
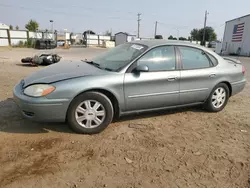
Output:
x=130 y=78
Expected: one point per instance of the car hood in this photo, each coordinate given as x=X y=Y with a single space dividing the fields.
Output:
x=63 y=71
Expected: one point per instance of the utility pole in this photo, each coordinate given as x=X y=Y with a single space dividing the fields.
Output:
x=138 y=20
x=156 y=27
x=51 y=21
x=205 y=23
x=177 y=33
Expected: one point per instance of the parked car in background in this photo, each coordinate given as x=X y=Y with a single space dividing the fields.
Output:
x=133 y=77
x=62 y=42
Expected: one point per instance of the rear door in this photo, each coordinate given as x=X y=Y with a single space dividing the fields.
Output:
x=159 y=87
x=198 y=74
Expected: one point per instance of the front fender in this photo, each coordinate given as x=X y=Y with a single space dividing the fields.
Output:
x=69 y=89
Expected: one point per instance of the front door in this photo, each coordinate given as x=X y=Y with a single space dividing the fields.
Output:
x=198 y=74
x=159 y=87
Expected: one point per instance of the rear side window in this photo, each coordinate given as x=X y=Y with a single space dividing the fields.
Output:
x=193 y=58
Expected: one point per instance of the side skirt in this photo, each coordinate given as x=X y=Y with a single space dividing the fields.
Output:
x=157 y=109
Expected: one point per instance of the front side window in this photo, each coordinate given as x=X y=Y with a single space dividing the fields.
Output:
x=193 y=58
x=159 y=59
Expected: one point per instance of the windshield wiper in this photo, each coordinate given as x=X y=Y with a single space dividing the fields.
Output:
x=108 y=69
x=92 y=63
x=97 y=65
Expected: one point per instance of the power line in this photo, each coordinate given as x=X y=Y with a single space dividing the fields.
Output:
x=84 y=7
x=59 y=12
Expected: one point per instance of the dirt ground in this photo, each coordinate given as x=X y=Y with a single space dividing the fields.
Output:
x=169 y=149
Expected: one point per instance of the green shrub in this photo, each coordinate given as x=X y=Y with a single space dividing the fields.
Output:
x=30 y=43
x=20 y=44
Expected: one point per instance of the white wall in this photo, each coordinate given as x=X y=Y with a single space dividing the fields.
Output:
x=17 y=41
x=231 y=47
x=218 y=47
x=104 y=37
x=93 y=39
x=18 y=34
x=3 y=33
x=4 y=42
x=38 y=35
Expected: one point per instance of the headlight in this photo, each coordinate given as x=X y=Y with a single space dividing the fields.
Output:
x=39 y=90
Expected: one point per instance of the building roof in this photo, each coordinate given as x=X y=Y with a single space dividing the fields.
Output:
x=125 y=33
x=4 y=26
x=238 y=18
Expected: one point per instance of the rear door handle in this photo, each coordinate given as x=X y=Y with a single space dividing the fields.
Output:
x=172 y=78
x=212 y=75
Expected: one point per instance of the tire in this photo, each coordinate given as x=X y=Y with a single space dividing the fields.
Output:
x=26 y=60
x=212 y=101
x=79 y=108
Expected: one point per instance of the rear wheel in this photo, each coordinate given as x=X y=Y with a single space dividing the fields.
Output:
x=90 y=113
x=218 y=98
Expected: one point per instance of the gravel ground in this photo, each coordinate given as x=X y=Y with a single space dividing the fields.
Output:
x=175 y=148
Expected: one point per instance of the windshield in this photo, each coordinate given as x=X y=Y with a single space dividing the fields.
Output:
x=118 y=57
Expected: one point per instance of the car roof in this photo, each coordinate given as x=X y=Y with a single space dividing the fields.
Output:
x=158 y=42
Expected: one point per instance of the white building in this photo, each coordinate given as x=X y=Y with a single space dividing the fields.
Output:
x=236 y=38
x=4 y=26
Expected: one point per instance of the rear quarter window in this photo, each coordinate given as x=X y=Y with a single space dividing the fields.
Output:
x=213 y=59
x=193 y=58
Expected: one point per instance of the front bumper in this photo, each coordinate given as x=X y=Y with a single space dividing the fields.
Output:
x=41 y=108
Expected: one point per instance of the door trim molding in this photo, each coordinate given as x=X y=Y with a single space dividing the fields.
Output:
x=193 y=90
x=166 y=93
x=153 y=94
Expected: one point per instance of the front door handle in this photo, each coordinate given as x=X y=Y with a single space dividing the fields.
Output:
x=172 y=78
x=212 y=75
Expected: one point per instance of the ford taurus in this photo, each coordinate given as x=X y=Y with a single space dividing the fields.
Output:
x=133 y=77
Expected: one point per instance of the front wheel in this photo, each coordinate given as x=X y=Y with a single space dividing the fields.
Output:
x=90 y=113
x=218 y=98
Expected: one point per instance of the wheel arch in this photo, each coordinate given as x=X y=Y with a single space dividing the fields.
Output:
x=229 y=87
x=108 y=94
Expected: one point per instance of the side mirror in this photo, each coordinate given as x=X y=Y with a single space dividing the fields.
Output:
x=141 y=68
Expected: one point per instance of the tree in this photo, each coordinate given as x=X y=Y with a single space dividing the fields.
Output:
x=174 y=38
x=32 y=25
x=170 y=37
x=17 y=27
x=195 y=34
x=158 y=37
x=182 y=38
x=11 y=27
x=108 y=33
x=210 y=35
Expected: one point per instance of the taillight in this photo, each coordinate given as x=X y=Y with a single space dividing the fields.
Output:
x=243 y=69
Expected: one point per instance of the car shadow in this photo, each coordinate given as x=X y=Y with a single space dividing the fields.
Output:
x=26 y=65
x=11 y=120
x=149 y=114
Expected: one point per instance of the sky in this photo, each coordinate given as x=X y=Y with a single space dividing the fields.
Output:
x=100 y=16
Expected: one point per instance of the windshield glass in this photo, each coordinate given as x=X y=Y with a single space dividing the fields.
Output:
x=116 y=58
